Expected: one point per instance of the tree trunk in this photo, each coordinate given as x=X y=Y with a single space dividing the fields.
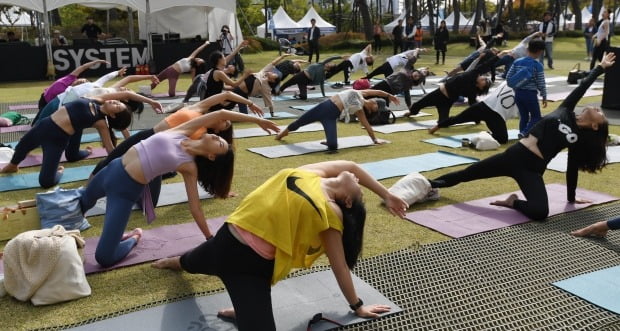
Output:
x=522 y=16
x=574 y=4
x=511 y=14
x=414 y=11
x=430 y=8
x=457 y=15
x=596 y=8
x=477 y=10
x=366 y=20
x=500 y=10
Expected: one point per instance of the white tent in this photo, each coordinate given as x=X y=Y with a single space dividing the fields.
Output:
x=15 y=19
x=425 y=22
x=320 y=22
x=570 y=24
x=390 y=26
x=464 y=22
x=283 y=24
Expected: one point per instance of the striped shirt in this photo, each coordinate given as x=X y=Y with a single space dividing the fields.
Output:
x=537 y=82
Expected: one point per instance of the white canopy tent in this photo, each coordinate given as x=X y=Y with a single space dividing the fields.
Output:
x=388 y=28
x=283 y=24
x=464 y=22
x=15 y=18
x=326 y=28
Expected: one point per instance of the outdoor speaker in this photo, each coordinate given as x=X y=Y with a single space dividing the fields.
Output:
x=611 y=99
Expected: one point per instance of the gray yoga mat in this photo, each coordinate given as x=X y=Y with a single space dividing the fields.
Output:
x=558 y=163
x=456 y=141
x=277 y=151
x=423 y=162
x=171 y=194
x=86 y=137
x=304 y=107
x=310 y=96
x=258 y=132
x=409 y=126
x=295 y=301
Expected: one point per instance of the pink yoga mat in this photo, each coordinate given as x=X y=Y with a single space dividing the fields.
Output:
x=15 y=128
x=464 y=219
x=23 y=107
x=36 y=159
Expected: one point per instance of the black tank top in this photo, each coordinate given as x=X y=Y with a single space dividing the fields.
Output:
x=213 y=87
x=81 y=114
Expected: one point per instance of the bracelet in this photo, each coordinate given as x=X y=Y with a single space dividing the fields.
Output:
x=209 y=237
x=357 y=305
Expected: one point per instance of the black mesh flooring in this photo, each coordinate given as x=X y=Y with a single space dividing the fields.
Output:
x=497 y=280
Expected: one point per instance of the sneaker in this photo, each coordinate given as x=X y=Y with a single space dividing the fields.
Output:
x=337 y=85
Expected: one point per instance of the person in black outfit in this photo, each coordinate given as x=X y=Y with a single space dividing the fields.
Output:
x=585 y=135
x=397 y=35
x=313 y=40
x=440 y=39
x=468 y=84
x=91 y=30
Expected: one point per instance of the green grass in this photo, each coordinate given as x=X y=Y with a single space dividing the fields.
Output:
x=125 y=288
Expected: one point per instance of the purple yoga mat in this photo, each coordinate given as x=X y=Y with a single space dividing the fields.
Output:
x=23 y=107
x=464 y=219
x=36 y=159
x=157 y=243
x=15 y=128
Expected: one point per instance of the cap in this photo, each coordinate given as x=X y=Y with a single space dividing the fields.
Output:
x=380 y=105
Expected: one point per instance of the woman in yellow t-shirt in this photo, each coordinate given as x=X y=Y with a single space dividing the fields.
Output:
x=288 y=222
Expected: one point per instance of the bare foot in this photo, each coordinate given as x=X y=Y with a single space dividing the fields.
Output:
x=232 y=194
x=135 y=233
x=282 y=134
x=172 y=263
x=598 y=229
x=433 y=129
x=227 y=314
x=9 y=168
x=60 y=170
x=89 y=149
x=508 y=202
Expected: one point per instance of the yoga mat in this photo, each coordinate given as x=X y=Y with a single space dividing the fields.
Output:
x=170 y=194
x=409 y=126
x=86 y=137
x=601 y=288
x=280 y=115
x=277 y=151
x=418 y=91
x=36 y=159
x=562 y=95
x=310 y=96
x=165 y=95
x=15 y=128
x=467 y=218
x=258 y=132
x=423 y=162
x=171 y=100
x=558 y=163
x=294 y=300
x=23 y=107
x=31 y=180
x=555 y=79
x=304 y=107
x=455 y=141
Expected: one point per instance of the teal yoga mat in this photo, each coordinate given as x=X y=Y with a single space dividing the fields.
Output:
x=455 y=141
x=601 y=288
x=559 y=162
x=31 y=180
x=424 y=162
x=87 y=137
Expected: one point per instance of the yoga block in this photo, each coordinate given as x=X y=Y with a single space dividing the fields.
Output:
x=14 y=221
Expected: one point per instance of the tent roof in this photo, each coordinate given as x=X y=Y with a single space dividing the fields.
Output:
x=281 y=20
x=22 y=19
x=320 y=22
x=155 y=5
x=390 y=26
x=463 y=21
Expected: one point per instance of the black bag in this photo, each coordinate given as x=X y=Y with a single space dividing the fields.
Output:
x=576 y=74
x=381 y=117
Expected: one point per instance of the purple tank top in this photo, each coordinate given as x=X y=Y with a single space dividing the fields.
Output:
x=162 y=153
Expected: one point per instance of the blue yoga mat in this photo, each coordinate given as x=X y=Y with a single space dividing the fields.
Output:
x=87 y=137
x=601 y=288
x=304 y=107
x=424 y=162
x=455 y=141
x=31 y=180
x=310 y=96
x=280 y=115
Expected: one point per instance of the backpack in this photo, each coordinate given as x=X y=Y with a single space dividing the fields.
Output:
x=521 y=77
x=381 y=117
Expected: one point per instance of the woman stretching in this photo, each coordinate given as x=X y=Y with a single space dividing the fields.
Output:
x=314 y=74
x=186 y=64
x=494 y=110
x=585 y=135
x=469 y=84
x=53 y=133
x=342 y=106
x=288 y=222
x=401 y=82
x=216 y=78
x=396 y=62
x=208 y=160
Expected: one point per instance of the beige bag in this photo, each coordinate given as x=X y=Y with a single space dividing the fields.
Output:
x=414 y=188
x=484 y=141
x=44 y=266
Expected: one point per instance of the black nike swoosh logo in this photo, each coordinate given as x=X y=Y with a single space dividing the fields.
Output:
x=291 y=185
x=312 y=250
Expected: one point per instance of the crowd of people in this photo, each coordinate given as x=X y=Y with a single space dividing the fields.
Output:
x=319 y=205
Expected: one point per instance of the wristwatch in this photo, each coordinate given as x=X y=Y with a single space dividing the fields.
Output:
x=357 y=305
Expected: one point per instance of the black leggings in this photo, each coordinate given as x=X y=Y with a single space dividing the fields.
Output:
x=121 y=149
x=385 y=87
x=516 y=162
x=437 y=99
x=343 y=66
x=302 y=82
x=443 y=56
x=246 y=275
x=597 y=54
x=480 y=112
x=193 y=88
x=385 y=69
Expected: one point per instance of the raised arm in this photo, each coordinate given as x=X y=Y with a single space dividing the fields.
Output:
x=219 y=75
x=190 y=178
x=571 y=101
x=135 y=78
x=109 y=76
x=128 y=95
x=280 y=58
x=380 y=94
x=210 y=119
x=205 y=105
x=330 y=59
x=79 y=70
x=198 y=50
x=231 y=56
x=328 y=169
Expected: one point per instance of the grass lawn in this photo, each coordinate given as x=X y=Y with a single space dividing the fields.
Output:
x=129 y=287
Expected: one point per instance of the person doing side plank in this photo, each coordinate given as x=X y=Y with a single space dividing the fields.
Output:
x=186 y=64
x=342 y=106
x=208 y=160
x=288 y=222
x=584 y=134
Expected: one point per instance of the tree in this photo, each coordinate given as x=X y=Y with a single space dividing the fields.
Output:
x=577 y=12
x=366 y=20
x=457 y=15
x=596 y=8
x=431 y=12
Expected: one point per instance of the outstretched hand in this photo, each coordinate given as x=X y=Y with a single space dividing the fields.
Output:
x=268 y=126
x=256 y=110
x=157 y=107
x=396 y=206
x=394 y=99
x=372 y=311
x=608 y=60
x=154 y=80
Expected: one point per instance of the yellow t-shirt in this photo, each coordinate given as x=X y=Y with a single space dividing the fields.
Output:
x=288 y=211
